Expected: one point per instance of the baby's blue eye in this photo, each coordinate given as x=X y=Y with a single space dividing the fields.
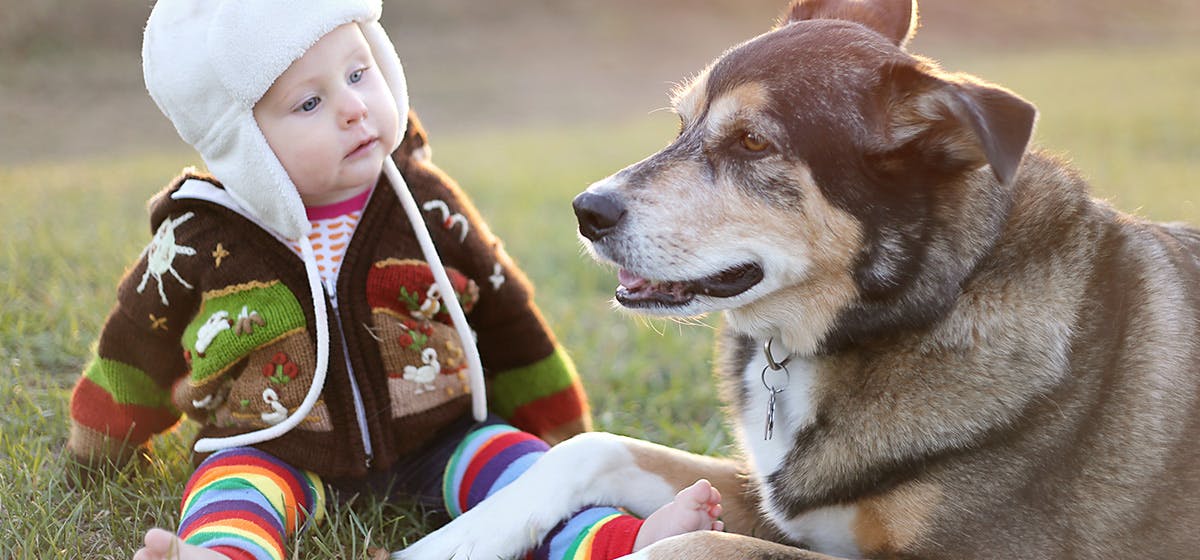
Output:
x=355 y=76
x=310 y=104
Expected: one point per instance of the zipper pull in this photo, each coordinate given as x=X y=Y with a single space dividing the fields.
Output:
x=330 y=291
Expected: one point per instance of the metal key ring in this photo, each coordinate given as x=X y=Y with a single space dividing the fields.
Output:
x=763 y=377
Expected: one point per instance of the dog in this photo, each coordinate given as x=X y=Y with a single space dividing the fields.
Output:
x=936 y=343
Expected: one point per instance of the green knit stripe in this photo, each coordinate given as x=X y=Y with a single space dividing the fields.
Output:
x=127 y=384
x=511 y=389
x=274 y=304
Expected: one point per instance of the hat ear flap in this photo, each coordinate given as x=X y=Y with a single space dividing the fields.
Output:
x=894 y=19
x=393 y=72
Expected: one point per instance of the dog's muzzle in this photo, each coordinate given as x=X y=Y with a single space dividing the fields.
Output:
x=597 y=214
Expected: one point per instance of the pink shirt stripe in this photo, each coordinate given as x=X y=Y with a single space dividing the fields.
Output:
x=338 y=208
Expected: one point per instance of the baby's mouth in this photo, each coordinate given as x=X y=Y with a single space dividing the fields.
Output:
x=362 y=148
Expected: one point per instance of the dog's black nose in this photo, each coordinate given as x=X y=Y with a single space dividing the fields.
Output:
x=597 y=214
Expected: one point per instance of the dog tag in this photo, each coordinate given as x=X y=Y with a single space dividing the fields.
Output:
x=769 y=427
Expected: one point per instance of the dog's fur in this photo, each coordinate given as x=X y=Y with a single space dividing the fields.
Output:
x=985 y=362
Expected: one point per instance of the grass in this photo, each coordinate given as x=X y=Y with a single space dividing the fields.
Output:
x=67 y=229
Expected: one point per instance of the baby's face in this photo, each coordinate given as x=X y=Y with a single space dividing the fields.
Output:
x=330 y=118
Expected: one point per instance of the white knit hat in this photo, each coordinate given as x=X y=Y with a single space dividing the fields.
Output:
x=207 y=63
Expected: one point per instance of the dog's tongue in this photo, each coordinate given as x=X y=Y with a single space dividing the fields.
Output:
x=631 y=281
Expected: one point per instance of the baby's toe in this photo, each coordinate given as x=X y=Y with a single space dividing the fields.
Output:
x=696 y=495
x=714 y=496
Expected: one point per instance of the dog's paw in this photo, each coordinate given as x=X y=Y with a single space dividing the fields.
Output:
x=434 y=547
x=450 y=547
x=471 y=536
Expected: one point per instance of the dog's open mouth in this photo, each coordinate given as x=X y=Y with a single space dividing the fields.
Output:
x=636 y=291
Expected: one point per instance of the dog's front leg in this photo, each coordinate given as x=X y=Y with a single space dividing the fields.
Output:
x=589 y=469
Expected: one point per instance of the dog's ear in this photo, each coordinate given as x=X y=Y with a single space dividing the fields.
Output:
x=416 y=141
x=954 y=120
x=894 y=19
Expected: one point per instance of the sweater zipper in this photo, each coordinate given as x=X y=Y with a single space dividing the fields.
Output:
x=360 y=411
x=197 y=189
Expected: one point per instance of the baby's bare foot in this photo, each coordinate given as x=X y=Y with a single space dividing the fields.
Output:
x=695 y=508
x=164 y=545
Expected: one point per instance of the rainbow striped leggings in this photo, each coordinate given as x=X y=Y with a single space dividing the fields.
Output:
x=244 y=503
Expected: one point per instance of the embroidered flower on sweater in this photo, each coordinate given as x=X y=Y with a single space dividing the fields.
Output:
x=416 y=334
x=281 y=369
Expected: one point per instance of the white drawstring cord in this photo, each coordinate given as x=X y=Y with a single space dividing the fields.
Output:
x=474 y=365
x=321 y=317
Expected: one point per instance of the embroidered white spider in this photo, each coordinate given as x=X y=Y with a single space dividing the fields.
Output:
x=162 y=251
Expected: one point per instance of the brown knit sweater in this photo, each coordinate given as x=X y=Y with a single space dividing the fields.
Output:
x=215 y=321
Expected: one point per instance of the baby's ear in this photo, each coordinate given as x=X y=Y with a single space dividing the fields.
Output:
x=416 y=142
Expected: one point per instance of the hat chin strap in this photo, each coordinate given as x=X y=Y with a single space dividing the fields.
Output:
x=449 y=300
x=321 y=317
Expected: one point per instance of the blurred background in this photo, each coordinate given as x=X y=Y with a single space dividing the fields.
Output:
x=71 y=85
x=526 y=102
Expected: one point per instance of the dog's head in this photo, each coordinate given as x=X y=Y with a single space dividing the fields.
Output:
x=825 y=183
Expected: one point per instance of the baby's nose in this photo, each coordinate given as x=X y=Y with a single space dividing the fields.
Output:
x=354 y=109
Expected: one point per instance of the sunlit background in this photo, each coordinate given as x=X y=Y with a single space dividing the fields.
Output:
x=526 y=102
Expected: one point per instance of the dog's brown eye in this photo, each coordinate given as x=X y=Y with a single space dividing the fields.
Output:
x=754 y=142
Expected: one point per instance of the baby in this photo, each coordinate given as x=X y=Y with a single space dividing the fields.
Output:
x=325 y=303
